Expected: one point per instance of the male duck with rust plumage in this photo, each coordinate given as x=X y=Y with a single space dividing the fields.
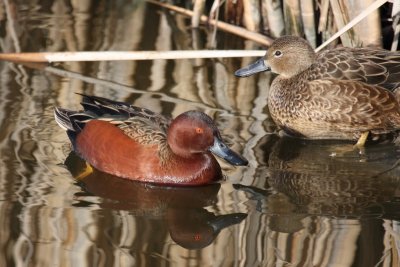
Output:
x=343 y=93
x=138 y=144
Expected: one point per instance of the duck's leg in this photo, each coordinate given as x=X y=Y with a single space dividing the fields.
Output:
x=360 y=145
x=361 y=141
x=87 y=171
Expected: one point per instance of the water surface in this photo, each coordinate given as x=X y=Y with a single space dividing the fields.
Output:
x=298 y=203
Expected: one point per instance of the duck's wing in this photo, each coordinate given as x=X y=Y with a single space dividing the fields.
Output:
x=353 y=106
x=120 y=112
x=143 y=131
x=134 y=121
x=374 y=67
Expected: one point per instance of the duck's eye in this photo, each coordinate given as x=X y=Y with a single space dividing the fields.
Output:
x=278 y=53
x=199 y=130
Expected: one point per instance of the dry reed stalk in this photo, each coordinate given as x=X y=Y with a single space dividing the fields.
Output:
x=307 y=15
x=214 y=14
x=127 y=55
x=291 y=11
x=239 y=31
x=214 y=9
x=341 y=17
x=368 y=31
x=371 y=8
x=396 y=25
x=264 y=25
x=198 y=9
x=251 y=15
x=323 y=17
x=273 y=13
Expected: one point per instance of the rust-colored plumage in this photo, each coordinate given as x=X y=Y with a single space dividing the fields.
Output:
x=138 y=144
x=336 y=94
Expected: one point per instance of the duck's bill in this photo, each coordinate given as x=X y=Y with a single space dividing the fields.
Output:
x=223 y=151
x=253 y=68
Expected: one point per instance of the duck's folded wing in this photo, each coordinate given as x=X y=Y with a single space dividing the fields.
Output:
x=374 y=67
x=144 y=131
x=355 y=105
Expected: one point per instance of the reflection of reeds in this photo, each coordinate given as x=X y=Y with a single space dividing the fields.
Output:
x=165 y=86
x=38 y=192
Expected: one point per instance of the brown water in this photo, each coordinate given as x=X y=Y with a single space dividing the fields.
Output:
x=294 y=205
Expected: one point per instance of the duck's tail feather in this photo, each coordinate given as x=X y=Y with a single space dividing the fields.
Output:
x=62 y=118
x=100 y=108
x=104 y=107
x=71 y=120
x=108 y=108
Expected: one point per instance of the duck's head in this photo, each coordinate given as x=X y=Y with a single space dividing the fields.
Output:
x=287 y=56
x=195 y=132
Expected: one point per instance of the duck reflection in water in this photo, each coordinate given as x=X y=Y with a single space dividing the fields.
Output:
x=304 y=180
x=190 y=225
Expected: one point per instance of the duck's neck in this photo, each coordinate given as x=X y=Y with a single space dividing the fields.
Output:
x=285 y=86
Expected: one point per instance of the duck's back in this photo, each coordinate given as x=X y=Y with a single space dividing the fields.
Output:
x=374 y=67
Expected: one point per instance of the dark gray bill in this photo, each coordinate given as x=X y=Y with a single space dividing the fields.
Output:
x=253 y=68
x=223 y=151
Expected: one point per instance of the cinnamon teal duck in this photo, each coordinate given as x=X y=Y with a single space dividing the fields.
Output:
x=343 y=93
x=138 y=144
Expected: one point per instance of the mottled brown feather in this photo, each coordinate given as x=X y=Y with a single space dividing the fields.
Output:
x=148 y=133
x=332 y=109
x=375 y=67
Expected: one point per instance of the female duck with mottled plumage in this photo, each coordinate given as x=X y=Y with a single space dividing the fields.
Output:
x=343 y=93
